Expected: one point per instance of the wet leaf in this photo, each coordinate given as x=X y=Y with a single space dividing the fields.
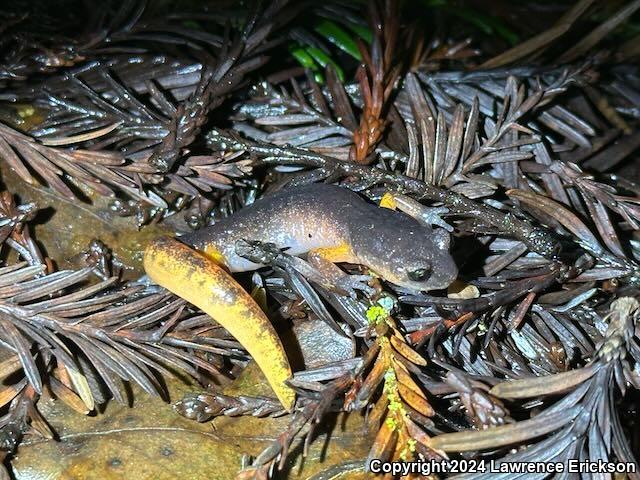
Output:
x=407 y=352
x=82 y=223
x=503 y=435
x=598 y=33
x=544 y=385
x=152 y=442
x=563 y=215
x=415 y=400
x=542 y=39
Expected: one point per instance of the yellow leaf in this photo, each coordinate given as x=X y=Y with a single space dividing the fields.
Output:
x=82 y=387
x=407 y=352
x=209 y=287
x=415 y=400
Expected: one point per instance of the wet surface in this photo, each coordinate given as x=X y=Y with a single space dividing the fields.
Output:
x=151 y=441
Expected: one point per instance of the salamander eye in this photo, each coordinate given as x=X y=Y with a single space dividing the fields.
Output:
x=419 y=274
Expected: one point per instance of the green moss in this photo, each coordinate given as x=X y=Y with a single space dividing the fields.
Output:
x=376 y=314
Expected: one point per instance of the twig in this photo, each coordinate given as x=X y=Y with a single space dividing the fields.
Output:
x=537 y=239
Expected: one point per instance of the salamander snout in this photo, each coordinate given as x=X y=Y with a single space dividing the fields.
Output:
x=424 y=264
x=419 y=266
x=441 y=274
x=404 y=252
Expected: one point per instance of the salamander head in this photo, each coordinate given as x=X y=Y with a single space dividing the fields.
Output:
x=406 y=253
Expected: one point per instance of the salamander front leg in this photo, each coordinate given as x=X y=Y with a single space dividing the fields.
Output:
x=324 y=261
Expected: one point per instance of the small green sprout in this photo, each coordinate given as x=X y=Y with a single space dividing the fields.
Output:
x=376 y=314
x=396 y=409
x=304 y=58
x=323 y=59
x=391 y=390
x=391 y=423
x=408 y=451
x=390 y=381
x=411 y=443
x=339 y=37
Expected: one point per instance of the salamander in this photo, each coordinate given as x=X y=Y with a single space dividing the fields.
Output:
x=340 y=225
x=325 y=222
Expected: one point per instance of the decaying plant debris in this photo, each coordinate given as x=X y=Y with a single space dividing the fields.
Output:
x=183 y=118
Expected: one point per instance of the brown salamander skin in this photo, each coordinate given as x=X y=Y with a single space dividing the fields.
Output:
x=335 y=220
